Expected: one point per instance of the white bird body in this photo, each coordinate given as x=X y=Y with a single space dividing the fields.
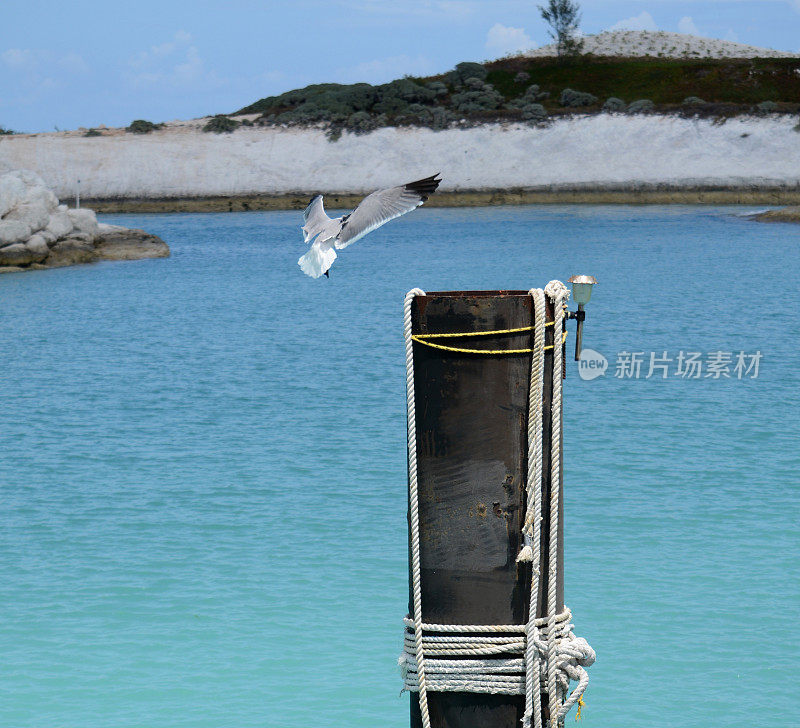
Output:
x=373 y=211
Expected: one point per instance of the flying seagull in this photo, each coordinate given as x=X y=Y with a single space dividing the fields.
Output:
x=373 y=211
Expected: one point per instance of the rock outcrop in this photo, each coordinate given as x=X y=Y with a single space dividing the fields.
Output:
x=785 y=214
x=37 y=232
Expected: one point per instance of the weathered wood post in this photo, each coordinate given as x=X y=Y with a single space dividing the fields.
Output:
x=471 y=434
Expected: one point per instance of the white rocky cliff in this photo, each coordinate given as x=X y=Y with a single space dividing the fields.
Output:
x=37 y=232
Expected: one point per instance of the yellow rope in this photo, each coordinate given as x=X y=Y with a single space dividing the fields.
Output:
x=481 y=333
x=580 y=707
x=420 y=340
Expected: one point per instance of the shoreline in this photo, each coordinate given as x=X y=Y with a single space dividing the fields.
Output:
x=787 y=214
x=467 y=198
x=607 y=158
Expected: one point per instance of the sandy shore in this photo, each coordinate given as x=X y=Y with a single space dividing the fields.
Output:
x=600 y=158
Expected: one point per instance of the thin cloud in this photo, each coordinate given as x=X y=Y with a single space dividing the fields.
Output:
x=643 y=21
x=381 y=70
x=450 y=9
x=73 y=63
x=503 y=39
x=686 y=25
x=19 y=58
x=34 y=62
x=175 y=63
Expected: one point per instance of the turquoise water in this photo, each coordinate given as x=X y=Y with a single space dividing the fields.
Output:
x=202 y=470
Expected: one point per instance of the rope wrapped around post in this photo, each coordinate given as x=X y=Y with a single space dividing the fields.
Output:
x=544 y=655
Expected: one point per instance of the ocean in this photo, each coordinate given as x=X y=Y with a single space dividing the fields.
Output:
x=203 y=469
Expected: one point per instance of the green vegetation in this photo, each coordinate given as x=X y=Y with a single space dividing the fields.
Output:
x=640 y=106
x=563 y=17
x=534 y=89
x=4 y=131
x=572 y=99
x=221 y=124
x=614 y=104
x=141 y=126
x=93 y=133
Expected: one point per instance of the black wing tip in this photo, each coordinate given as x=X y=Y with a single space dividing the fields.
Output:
x=424 y=187
x=311 y=201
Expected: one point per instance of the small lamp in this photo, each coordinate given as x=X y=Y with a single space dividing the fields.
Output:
x=581 y=293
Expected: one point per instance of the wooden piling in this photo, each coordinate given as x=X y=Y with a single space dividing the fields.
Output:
x=472 y=414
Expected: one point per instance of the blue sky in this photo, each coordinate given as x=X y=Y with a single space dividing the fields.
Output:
x=85 y=63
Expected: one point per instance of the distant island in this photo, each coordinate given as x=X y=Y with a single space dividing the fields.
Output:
x=639 y=116
x=630 y=72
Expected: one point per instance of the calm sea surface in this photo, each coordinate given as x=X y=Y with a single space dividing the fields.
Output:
x=202 y=470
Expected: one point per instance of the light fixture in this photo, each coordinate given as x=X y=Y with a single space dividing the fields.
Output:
x=581 y=293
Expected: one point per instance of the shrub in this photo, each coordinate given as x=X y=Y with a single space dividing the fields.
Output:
x=407 y=90
x=391 y=105
x=522 y=77
x=93 y=133
x=221 y=124
x=142 y=126
x=532 y=95
x=358 y=97
x=416 y=115
x=361 y=122
x=295 y=97
x=767 y=107
x=576 y=99
x=466 y=70
x=614 y=104
x=483 y=99
x=533 y=112
x=332 y=102
x=307 y=113
x=438 y=88
x=640 y=106
x=442 y=118
x=693 y=101
x=4 y=132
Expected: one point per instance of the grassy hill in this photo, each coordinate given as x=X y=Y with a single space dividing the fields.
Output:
x=533 y=89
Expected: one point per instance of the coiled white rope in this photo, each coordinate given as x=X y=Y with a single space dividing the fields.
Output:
x=550 y=655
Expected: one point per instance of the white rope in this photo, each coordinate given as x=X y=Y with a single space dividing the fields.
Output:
x=558 y=294
x=413 y=500
x=532 y=529
x=474 y=670
x=544 y=655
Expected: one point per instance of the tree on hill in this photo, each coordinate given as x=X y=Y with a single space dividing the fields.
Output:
x=563 y=17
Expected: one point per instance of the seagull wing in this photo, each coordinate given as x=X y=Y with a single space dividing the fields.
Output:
x=315 y=218
x=382 y=206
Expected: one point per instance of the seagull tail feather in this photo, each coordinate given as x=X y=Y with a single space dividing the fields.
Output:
x=317 y=260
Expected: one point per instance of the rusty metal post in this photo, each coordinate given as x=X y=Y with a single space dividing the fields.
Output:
x=472 y=413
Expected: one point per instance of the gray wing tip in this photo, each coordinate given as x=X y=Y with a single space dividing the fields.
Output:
x=307 y=211
x=424 y=187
